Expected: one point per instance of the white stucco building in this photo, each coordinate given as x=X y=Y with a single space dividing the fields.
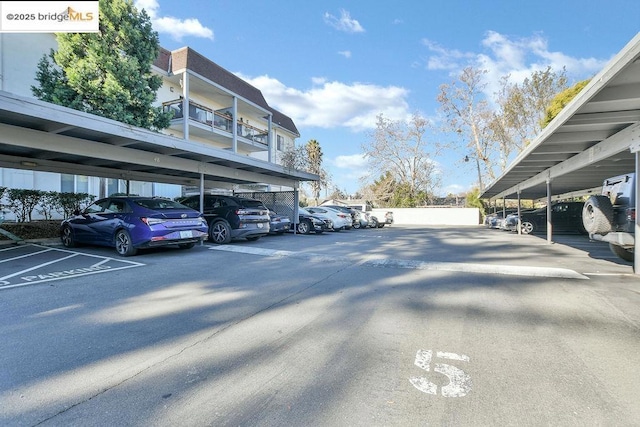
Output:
x=225 y=113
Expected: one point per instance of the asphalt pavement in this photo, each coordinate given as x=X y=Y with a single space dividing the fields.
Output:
x=377 y=327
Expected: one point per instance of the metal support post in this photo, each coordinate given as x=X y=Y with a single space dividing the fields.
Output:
x=549 y=226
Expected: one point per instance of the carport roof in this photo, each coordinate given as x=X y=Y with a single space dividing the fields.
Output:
x=589 y=140
x=42 y=136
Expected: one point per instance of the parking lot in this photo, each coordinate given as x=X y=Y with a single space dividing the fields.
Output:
x=392 y=326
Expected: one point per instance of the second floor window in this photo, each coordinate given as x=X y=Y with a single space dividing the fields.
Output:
x=280 y=143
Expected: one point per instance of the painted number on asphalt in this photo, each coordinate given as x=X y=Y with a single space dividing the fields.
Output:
x=459 y=382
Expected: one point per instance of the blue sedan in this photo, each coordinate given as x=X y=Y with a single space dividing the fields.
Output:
x=132 y=223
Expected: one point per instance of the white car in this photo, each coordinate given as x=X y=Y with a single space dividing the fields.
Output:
x=340 y=220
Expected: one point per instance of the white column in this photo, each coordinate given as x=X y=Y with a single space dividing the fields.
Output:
x=185 y=104
x=234 y=126
x=270 y=138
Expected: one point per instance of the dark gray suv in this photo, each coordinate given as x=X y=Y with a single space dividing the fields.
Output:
x=232 y=217
x=611 y=216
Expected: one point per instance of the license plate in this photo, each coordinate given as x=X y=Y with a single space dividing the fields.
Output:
x=186 y=234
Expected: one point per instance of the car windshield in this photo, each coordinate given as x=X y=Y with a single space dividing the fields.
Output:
x=159 y=204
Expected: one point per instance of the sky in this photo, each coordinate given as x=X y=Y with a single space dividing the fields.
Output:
x=334 y=66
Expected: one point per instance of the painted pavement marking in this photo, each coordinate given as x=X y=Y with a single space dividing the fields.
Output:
x=459 y=381
x=512 y=270
x=23 y=278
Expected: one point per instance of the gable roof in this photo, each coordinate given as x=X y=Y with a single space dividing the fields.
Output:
x=186 y=58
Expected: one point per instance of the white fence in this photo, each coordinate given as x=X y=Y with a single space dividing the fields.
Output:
x=432 y=216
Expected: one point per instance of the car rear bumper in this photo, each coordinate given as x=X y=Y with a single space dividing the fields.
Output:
x=251 y=230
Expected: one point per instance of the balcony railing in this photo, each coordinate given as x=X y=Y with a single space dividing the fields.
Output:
x=221 y=120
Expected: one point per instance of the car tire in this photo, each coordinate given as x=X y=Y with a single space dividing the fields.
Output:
x=527 y=227
x=380 y=224
x=597 y=215
x=66 y=235
x=373 y=223
x=357 y=225
x=622 y=253
x=124 y=245
x=220 y=233
x=304 y=227
x=187 y=245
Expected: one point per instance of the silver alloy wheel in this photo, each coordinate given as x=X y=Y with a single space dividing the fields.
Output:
x=303 y=227
x=67 y=237
x=124 y=245
x=220 y=233
x=527 y=227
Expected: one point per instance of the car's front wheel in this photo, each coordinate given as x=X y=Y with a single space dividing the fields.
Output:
x=527 y=227
x=220 y=233
x=304 y=227
x=124 y=245
x=373 y=222
x=66 y=235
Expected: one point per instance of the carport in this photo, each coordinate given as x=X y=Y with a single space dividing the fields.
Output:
x=593 y=138
x=36 y=135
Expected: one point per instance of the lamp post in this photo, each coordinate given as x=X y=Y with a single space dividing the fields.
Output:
x=466 y=159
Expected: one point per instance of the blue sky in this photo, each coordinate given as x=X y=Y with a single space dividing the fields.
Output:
x=333 y=66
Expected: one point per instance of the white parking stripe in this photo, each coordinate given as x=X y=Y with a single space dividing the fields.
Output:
x=419 y=265
x=21 y=272
x=272 y=252
x=26 y=255
x=514 y=270
x=82 y=267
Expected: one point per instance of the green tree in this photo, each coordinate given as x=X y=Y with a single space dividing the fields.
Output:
x=560 y=101
x=314 y=155
x=521 y=107
x=107 y=73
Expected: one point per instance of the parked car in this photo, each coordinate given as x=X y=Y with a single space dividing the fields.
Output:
x=611 y=216
x=494 y=220
x=373 y=220
x=308 y=223
x=278 y=223
x=132 y=223
x=344 y=209
x=231 y=217
x=565 y=216
x=388 y=219
x=362 y=220
x=340 y=220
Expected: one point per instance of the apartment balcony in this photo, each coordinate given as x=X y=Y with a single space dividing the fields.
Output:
x=216 y=126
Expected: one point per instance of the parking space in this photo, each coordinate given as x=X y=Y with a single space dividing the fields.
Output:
x=30 y=264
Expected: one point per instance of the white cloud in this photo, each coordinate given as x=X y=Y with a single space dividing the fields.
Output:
x=354 y=161
x=331 y=104
x=517 y=57
x=344 y=22
x=350 y=167
x=175 y=27
x=345 y=53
